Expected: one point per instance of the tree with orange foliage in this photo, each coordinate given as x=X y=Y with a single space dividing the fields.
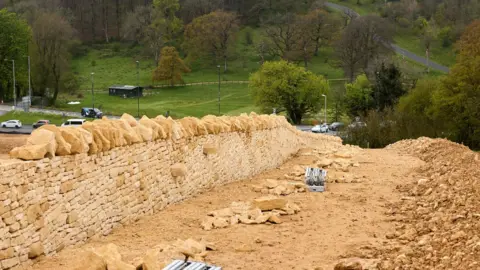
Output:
x=170 y=67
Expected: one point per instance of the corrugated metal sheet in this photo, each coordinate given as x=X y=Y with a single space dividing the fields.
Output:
x=315 y=179
x=182 y=265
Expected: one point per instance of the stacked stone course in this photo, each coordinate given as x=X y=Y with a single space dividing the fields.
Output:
x=60 y=201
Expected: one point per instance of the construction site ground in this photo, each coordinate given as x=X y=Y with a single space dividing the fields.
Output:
x=412 y=205
x=338 y=223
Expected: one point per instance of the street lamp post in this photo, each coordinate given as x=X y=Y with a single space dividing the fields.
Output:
x=138 y=90
x=325 y=108
x=29 y=84
x=93 y=94
x=14 y=90
x=218 y=67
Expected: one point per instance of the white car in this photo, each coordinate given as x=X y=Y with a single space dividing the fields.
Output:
x=11 y=124
x=320 y=128
x=73 y=122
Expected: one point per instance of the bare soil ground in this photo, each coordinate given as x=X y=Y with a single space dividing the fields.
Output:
x=345 y=221
x=10 y=141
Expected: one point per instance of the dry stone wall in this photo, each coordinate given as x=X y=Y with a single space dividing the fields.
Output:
x=59 y=201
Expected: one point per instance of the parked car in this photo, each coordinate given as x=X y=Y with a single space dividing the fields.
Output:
x=92 y=113
x=336 y=125
x=11 y=124
x=73 y=122
x=320 y=128
x=40 y=123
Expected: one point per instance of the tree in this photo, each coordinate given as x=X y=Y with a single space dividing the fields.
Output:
x=286 y=36
x=167 y=21
x=170 y=67
x=284 y=85
x=457 y=103
x=135 y=23
x=358 y=96
x=265 y=50
x=388 y=87
x=211 y=35
x=415 y=111
x=365 y=40
x=153 y=27
x=306 y=44
x=53 y=37
x=428 y=34
x=263 y=10
x=321 y=27
x=14 y=38
x=195 y=8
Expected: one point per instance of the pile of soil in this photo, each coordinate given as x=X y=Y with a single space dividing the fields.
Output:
x=439 y=216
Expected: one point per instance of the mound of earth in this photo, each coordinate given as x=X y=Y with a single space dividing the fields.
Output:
x=439 y=216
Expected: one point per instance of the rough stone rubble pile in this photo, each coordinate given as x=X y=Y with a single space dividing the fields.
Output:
x=108 y=256
x=337 y=161
x=439 y=217
x=279 y=188
x=102 y=135
x=261 y=210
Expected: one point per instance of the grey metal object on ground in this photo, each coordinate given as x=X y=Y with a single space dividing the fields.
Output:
x=315 y=179
x=189 y=265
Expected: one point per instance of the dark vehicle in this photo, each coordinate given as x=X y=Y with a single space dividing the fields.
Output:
x=40 y=123
x=336 y=126
x=92 y=113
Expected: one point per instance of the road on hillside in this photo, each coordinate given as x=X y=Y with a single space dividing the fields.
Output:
x=396 y=48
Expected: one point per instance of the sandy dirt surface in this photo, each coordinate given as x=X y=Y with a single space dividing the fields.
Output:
x=345 y=221
x=10 y=141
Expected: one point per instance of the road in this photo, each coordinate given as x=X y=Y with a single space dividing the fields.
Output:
x=307 y=128
x=7 y=108
x=395 y=47
x=25 y=129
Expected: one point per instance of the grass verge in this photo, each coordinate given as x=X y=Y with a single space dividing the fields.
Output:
x=31 y=118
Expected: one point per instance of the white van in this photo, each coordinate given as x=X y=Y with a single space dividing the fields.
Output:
x=73 y=122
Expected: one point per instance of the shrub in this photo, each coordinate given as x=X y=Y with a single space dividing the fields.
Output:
x=404 y=22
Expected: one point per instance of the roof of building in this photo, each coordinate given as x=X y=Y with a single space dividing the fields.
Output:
x=124 y=87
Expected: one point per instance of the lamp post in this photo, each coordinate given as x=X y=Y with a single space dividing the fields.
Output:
x=29 y=84
x=93 y=94
x=325 y=108
x=218 y=67
x=138 y=90
x=14 y=90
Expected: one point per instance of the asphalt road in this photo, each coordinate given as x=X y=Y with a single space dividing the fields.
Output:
x=309 y=129
x=25 y=129
x=396 y=48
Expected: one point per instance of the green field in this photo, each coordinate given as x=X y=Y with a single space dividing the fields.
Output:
x=441 y=55
x=31 y=118
x=180 y=101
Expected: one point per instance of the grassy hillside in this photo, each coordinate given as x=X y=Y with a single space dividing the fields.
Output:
x=404 y=37
x=111 y=68
x=115 y=63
